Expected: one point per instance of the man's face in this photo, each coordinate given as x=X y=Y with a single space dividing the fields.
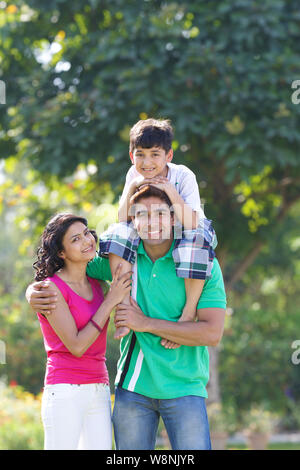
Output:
x=151 y=162
x=153 y=220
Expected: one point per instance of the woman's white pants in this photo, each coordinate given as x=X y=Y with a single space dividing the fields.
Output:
x=77 y=417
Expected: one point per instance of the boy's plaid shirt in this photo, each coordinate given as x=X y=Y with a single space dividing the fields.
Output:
x=193 y=251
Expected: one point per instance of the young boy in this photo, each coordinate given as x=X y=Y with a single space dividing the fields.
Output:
x=151 y=155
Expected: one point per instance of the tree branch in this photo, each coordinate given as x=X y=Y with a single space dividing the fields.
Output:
x=244 y=265
x=255 y=250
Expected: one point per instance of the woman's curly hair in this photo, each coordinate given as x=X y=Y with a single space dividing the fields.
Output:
x=48 y=260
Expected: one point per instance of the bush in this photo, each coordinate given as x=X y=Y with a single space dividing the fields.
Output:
x=20 y=420
x=259 y=420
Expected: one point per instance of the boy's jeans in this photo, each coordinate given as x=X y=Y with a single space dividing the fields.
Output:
x=136 y=418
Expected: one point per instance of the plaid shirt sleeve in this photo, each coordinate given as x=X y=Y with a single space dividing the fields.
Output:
x=193 y=251
x=121 y=239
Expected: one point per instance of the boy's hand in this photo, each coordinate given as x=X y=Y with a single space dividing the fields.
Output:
x=136 y=183
x=169 y=344
x=187 y=315
x=41 y=298
x=161 y=182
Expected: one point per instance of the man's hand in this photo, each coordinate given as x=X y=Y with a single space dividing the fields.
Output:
x=41 y=297
x=131 y=316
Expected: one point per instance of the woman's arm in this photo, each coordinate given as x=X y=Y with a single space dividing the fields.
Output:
x=63 y=323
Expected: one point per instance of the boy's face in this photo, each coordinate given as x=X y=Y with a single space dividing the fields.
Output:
x=151 y=162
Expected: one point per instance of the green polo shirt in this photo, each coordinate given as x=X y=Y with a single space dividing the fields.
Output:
x=99 y=268
x=145 y=366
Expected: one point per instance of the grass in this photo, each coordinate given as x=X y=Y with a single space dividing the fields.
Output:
x=274 y=446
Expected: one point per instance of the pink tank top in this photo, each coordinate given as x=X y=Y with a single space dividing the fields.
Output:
x=62 y=366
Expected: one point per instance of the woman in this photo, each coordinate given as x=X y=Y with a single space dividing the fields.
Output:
x=76 y=409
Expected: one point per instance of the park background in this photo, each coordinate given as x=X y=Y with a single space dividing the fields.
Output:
x=77 y=76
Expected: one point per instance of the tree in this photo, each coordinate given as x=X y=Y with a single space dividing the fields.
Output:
x=80 y=73
x=256 y=363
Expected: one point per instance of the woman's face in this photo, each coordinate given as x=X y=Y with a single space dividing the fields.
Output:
x=79 y=245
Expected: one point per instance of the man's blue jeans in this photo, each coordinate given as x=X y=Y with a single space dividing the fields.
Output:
x=136 y=419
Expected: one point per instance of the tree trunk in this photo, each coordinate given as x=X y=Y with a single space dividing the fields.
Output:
x=213 y=386
x=244 y=265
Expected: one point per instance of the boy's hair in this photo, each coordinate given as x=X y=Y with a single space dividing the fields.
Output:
x=146 y=192
x=149 y=133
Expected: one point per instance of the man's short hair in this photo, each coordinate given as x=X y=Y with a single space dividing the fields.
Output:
x=149 y=191
x=149 y=133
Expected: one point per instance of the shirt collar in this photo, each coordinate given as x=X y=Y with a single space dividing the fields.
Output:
x=141 y=250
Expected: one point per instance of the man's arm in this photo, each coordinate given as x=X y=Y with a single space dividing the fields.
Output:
x=207 y=331
x=41 y=297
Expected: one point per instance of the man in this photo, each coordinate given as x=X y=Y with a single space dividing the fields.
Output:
x=153 y=380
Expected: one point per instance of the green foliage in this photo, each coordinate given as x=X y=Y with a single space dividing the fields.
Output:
x=78 y=75
x=20 y=420
x=256 y=356
x=259 y=420
x=30 y=202
x=25 y=355
x=221 y=419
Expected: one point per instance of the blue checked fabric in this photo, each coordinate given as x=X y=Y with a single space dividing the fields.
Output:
x=193 y=251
